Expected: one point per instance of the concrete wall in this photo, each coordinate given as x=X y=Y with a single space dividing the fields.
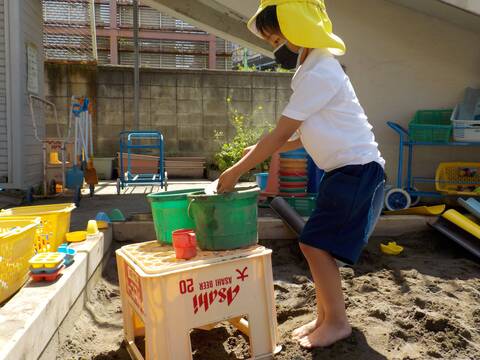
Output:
x=399 y=61
x=186 y=106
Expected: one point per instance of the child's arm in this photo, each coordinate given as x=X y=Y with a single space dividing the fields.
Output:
x=291 y=145
x=264 y=149
x=288 y=146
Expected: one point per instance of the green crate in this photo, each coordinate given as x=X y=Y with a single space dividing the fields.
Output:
x=304 y=205
x=431 y=126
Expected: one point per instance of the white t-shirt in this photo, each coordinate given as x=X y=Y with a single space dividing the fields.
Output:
x=335 y=130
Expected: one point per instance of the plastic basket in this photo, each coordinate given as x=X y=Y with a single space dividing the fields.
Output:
x=431 y=126
x=55 y=223
x=304 y=205
x=16 y=249
x=458 y=178
x=464 y=130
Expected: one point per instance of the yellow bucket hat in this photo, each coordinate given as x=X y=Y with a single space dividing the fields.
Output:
x=304 y=23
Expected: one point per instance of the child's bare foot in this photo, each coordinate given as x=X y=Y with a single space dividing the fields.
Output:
x=325 y=335
x=306 y=329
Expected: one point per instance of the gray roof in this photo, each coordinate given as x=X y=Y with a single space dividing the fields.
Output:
x=227 y=18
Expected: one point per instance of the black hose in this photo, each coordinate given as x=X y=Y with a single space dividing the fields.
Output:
x=289 y=216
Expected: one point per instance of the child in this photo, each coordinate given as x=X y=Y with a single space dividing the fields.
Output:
x=330 y=123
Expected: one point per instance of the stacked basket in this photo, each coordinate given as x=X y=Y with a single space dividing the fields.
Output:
x=293 y=179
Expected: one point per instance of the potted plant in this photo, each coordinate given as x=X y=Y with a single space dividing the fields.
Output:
x=246 y=134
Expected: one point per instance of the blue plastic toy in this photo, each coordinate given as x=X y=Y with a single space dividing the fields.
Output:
x=472 y=205
x=69 y=254
x=102 y=216
x=262 y=179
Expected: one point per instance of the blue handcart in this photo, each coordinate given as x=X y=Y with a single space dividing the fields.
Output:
x=405 y=194
x=133 y=143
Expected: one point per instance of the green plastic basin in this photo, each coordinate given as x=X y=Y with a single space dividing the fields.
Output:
x=170 y=213
x=225 y=221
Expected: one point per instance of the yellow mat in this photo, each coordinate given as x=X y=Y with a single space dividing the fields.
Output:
x=420 y=210
x=463 y=222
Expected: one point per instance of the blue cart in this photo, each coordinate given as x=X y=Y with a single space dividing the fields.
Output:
x=133 y=144
x=405 y=195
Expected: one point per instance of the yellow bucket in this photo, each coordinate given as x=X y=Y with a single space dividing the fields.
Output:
x=16 y=249
x=76 y=236
x=55 y=223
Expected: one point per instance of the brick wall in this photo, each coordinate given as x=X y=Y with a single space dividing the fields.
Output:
x=186 y=106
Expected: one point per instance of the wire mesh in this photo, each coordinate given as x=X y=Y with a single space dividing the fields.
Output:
x=69 y=30
x=71 y=36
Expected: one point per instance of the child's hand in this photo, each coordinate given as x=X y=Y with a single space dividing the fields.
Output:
x=227 y=181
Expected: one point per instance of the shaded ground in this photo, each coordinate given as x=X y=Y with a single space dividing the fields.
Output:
x=422 y=304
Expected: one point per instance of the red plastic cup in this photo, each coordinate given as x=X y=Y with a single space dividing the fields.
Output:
x=185 y=244
x=293 y=172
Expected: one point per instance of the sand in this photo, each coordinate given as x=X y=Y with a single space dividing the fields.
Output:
x=423 y=304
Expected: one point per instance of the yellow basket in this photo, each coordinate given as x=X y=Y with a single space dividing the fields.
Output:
x=16 y=249
x=458 y=178
x=54 y=225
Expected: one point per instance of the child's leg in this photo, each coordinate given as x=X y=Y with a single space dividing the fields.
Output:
x=334 y=326
x=308 y=328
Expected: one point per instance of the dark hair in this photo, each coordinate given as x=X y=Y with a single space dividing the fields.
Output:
x=267 y=21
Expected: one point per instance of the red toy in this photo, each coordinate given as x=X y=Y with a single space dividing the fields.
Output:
x=185 y=244
x=49 y=277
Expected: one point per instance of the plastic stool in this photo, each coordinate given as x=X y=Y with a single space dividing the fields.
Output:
x=164 y=298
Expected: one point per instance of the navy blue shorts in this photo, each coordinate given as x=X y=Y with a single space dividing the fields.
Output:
x=349 y=203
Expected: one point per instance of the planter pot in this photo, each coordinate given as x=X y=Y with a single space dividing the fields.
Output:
x=185 y=167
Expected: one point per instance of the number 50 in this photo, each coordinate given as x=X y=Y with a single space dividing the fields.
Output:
x=186 y=286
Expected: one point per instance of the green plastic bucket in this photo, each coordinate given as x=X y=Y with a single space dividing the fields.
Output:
x=170 y=213
x=225 y=221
